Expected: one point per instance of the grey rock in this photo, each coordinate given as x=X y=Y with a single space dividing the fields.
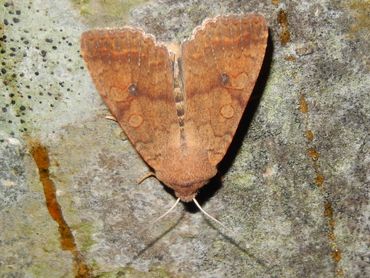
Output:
x=294 y=186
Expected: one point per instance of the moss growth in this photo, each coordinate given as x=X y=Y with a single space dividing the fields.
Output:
x=129 y=272
x=96 y=11
x=84 y=238
x=361 y=10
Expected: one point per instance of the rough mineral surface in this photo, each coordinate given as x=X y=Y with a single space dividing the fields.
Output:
x=294 y=187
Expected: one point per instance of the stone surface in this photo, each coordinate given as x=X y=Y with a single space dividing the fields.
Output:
x=294 y=186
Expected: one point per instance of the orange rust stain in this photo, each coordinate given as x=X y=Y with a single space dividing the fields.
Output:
x=290 y=58
x=331 y=234
x=284 y=37
x=337 y=255
x=275 y=2
x=328 y=210
x=313 y=154
x=319 y=180
x=303 y=106
x=283 y=21
x=329 y=214
x=41 y=157
x=309 y=135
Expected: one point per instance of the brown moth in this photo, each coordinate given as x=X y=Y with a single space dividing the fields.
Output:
x=180 y=121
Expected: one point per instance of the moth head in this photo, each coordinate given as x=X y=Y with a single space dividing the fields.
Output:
x=188 y=193
x=186 y=176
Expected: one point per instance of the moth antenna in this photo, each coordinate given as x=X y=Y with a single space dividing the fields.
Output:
x=160 y=217
x=167 y=212
x=209 y=216
x=150 y=174
x=111 y=117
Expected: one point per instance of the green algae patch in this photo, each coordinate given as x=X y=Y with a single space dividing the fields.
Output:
x=129 y=272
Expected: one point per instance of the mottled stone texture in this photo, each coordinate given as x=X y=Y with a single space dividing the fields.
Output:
x=294 y=186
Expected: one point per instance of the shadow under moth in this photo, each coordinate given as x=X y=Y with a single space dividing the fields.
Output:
x=180 y=113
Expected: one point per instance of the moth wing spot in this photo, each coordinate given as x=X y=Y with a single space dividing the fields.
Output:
x=224 y=78
x=132 y=89
x=135 y=120
x=227 y=111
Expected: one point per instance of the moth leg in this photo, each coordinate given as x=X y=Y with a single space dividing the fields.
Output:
x=147 y=175
x=110 y=117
